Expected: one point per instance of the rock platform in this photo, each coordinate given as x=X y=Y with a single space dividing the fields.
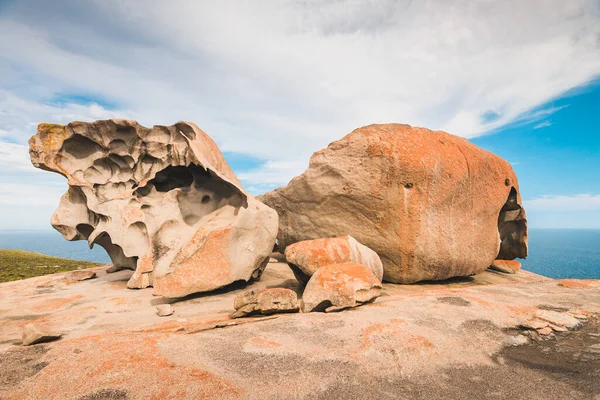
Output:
x=463 y=338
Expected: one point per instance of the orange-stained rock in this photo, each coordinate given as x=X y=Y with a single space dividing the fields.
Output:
x=265 y=302
x=162 y=201
x=506 y=266
x=83 y=275
x=334 y=287
x=309 y=255
x=430 y=204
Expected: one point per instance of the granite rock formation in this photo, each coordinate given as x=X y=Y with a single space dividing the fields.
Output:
x=305 y=257
x=335 y=287
x=432 y=205
x=162 y=201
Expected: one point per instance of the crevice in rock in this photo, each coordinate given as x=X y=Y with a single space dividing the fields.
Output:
x=512 y=227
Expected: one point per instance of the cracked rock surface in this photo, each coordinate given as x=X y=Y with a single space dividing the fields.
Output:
x=161 y=201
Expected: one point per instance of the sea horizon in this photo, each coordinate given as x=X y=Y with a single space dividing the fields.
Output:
x=559 y=253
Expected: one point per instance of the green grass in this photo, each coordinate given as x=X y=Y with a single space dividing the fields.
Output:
x=18 y=264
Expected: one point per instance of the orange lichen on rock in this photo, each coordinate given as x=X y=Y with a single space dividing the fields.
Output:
x=578 y=283
x=129 y=363
x=309 y=255
x=506 y=266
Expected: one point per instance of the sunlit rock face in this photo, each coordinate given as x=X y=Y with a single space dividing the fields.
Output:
x=432 y=205
x=161 y=201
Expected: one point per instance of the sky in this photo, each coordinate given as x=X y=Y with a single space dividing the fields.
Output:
x=274 y=81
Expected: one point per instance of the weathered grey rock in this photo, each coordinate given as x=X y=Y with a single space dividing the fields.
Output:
x=82 y=275
x=38 y=332
x=307 y=256
x=265 y=302
x=164 y=310
x=334 y=287
x=430 y=204
x=162 y=201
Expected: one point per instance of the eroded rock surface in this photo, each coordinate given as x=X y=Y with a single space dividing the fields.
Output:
x=265 y=302
x=309 y=255
x=430 y=204
x=335 y=287
x=162 y=201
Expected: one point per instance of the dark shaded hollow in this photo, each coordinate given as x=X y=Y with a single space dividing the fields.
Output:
x=200 y=191
x=512 y=227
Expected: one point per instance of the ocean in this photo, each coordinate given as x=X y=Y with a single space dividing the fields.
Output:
x=557 y=253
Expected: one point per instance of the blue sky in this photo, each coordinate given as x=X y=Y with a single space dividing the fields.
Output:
x=274 y=82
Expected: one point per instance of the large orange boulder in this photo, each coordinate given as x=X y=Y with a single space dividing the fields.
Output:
x=432 y=205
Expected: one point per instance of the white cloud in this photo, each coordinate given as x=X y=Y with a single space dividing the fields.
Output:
x=544 y=124
x=280 y=79
x=578 y=202
x=23 y=194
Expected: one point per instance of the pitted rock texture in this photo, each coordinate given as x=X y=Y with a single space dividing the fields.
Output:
x=430 y=204
x=506 y=266
x=309 y=255
x=265 y=302
x=335 y=287
x=162 y=201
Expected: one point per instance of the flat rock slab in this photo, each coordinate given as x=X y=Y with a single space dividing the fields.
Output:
x=458 y=338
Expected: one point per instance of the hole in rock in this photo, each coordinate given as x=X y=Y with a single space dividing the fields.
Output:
x=200 y=192
x=512 y=227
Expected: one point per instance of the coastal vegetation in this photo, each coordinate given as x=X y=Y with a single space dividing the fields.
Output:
x=18 y=264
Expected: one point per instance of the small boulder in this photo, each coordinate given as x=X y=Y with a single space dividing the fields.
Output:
x=38 y=332
x=83 y=275
x=164 y=310
x=337 y=286
x=309 y=255
x=506 y=266
x=265 y=302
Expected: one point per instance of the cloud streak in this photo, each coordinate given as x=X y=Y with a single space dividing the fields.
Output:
x=559 y=203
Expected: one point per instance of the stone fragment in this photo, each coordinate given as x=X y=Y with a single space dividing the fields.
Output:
x=309 y=255
x=39 y=332
x=334 y=287
x=164 y=310
x=517 y=340
x=506 y=266
x=545 y=331
x=558 y=319
x=265 y=302
x=82 y=275
x=535 y=324
x=161 y=201
x=430 y=204
x=557 y=328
